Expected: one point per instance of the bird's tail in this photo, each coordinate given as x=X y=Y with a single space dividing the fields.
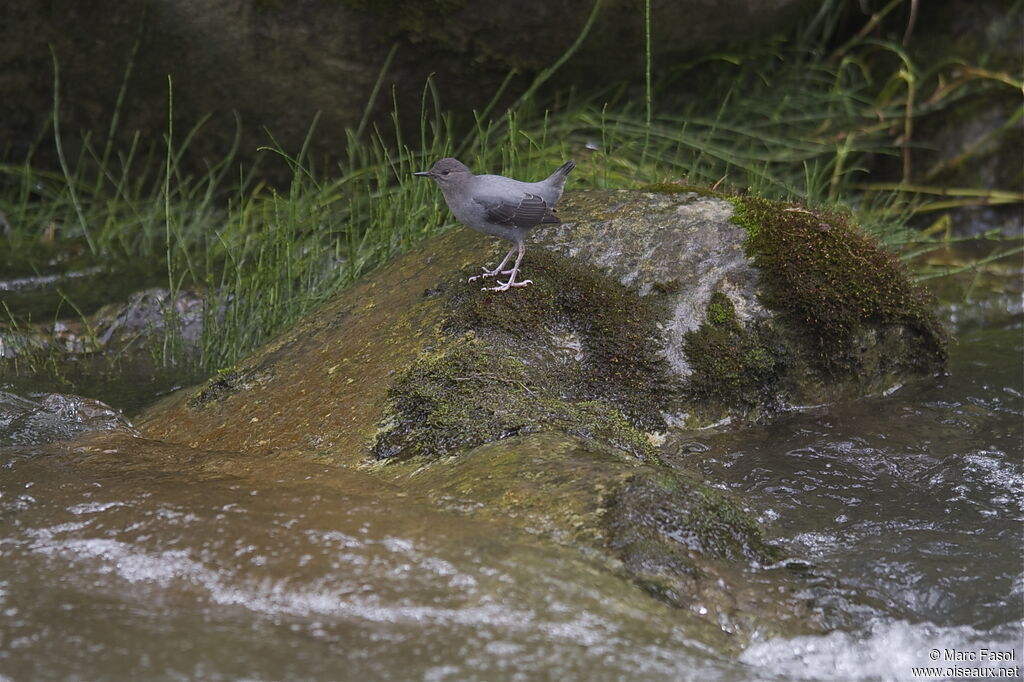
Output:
x=562 y=171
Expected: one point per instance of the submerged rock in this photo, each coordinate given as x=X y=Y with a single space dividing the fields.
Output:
x=122 y=353
x=51 y=417
x=147 y=314
x=679 y=540
x=546 y=404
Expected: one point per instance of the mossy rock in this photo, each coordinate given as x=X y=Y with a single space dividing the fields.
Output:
x=734 y=366
x=694 y=547
x=226 y=383
x=587 y=333
x=542 y=405
x=700 y=523
x=679 y=540
x=854 y=305
x=463 y=393
x=763 y=303
x=646 y=308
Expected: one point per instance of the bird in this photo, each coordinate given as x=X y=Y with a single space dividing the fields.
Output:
x=500 y=207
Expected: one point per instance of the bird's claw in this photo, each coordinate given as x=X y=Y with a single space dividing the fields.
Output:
x=512 y=272
x=487 y=273
x=505 y=286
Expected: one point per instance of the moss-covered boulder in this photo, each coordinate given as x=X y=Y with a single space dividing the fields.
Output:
x=545 y=405
x=767 y=304
x=648 y=309
x=465 y=392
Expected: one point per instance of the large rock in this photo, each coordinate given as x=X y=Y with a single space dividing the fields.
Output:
x=546 y=404
x=767 y=304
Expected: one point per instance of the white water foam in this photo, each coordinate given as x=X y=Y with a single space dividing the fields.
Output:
x=887 y=651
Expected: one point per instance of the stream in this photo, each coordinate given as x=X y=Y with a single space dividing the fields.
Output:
x=135 y=560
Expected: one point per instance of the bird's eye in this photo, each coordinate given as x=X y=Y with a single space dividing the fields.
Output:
x=445 y=172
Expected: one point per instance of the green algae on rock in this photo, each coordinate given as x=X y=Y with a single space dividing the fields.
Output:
x=701 y=521
x=734 y=365
x=463 y=393
x=680 y=541
x=694 y=547
x=855 y=306
x=227 y=382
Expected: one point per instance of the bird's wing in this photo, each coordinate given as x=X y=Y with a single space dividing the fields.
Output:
x=528 y=212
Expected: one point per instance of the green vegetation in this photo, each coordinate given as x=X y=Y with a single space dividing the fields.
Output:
x=466 y=393
x=733 y=365
x=790 y=121
x=227 y=382
x=609 y=335
x=832 y=279
x=576 y=352
x=661 y=525
x=850 y=312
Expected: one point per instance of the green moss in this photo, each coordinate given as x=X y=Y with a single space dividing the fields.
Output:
x=616 y=331
x=226 y=383
x=720 y=527
x=464 y=393
x=840 y=288
x=661 y=525
x=721 y=311
x=732 y=366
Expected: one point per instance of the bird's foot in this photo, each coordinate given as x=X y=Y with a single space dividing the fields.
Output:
x=490 y=273
x=505 y=286
x=487 y=273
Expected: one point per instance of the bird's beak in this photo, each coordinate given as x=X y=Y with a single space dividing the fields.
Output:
x=425 y=174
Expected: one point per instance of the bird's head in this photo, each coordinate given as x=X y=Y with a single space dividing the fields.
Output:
x=447 y=172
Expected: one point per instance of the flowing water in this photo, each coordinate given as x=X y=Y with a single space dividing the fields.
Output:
x=226 y=574
x=134 y=560
x=908 y=508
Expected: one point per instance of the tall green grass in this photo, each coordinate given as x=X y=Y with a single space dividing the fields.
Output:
x=789 y=122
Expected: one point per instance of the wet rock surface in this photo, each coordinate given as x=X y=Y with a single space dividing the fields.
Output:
x=680 y=541
x=47 y=418
x=546 y=405
x=766 y=304
x=539 y=555
x=681 y=245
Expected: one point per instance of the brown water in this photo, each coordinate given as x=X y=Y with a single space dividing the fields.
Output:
x=220 y=567
x=133 y=560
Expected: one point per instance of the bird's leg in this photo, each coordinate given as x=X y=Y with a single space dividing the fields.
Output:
x=505 y=286
x=496 y=271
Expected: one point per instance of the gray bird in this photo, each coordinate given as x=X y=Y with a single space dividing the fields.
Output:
x=499 y=206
